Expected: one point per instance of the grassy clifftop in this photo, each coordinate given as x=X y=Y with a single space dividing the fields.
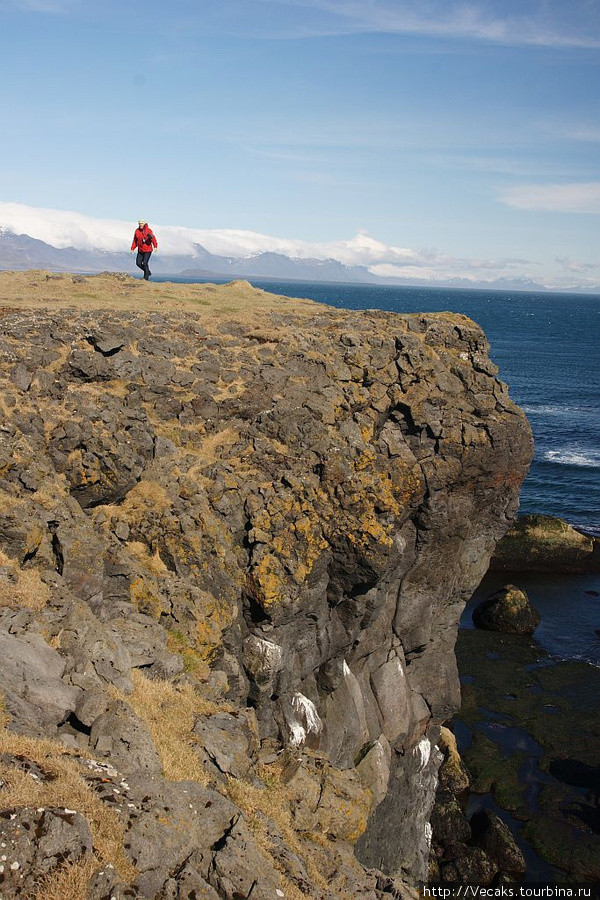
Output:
x=36 y=289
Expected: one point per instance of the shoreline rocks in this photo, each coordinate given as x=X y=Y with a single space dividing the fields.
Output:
x=478 y=850
x=507 y=610
x=538 y=543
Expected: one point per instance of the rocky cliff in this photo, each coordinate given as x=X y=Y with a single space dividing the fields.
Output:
x=236 y=540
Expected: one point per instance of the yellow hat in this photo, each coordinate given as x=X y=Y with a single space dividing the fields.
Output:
x=142 y=222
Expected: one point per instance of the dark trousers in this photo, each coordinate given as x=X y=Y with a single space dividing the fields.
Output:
x=142 y=260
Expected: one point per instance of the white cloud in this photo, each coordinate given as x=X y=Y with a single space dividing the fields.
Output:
x=585 y=133
x=576 y=266
x=62 y=228
x=568 y=198
x=440 y=266
x=43 y=6
x=545 y=23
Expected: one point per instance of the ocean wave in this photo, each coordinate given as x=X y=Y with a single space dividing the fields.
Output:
x=552 y=410
x=586 y=528
x=573 y=457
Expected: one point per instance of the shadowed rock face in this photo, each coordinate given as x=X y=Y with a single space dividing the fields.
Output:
x=304 y=508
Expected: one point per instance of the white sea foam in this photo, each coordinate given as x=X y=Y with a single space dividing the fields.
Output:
x=550 y=410
x=574 y=457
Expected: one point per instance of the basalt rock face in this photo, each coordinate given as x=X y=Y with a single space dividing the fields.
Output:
x=287 y=517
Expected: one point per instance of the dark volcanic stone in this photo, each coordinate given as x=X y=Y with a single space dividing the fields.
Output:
x=493 y=836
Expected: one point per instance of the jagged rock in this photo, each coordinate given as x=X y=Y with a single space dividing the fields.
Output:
x=120 y=735
x=21 y=377
x=471 y=866
x=374 y=767
x=452 y=775
x=326 y=800
x=79 y=552
x=61 y=836
x=408 y=803
x=391 y=692
x=37 y=699
x=91 y=648
x=494 y=837
x=175 y=820
x=229 y=742
x=507 y=610
x=21 y=534
x=448 y=820
x=90 y=705
x=188 y=884
x=106 y=343
x=238 y=868
x=106 y=883
x=346 y=728
x=146 y=642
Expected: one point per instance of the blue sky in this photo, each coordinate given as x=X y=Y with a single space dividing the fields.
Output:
x=423 y=138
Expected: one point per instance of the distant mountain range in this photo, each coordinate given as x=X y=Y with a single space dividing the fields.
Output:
x=20 y=251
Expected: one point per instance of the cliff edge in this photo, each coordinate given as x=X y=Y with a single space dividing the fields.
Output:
x=237 y=534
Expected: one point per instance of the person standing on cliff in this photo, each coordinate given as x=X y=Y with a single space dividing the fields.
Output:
x=144 y=242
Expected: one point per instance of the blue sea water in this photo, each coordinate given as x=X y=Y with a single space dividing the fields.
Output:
x=547 y=348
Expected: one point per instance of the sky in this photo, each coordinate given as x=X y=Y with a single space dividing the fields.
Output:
x=422 y=138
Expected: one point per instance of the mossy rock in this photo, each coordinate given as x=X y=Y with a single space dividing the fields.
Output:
x=491 y=772
x=537 y=543
x=573 y=849
x=507 y=610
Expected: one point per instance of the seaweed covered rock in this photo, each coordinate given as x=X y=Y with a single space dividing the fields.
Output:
x=507 y=610
x=537 y=543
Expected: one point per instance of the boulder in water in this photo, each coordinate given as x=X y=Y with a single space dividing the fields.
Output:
x=507 y=610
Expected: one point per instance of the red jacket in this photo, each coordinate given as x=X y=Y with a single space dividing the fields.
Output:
x=144 y=240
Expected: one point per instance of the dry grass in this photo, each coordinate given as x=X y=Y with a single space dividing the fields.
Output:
x=65 y=789
x=29 y=591
x=193 y=663
x=116 y=387
x=146 y=498
x=170 y=712
x=4 y=719
x=69 y=882
x=211 y=302
x=152 y=562
x=273 y=801
x=211 y=448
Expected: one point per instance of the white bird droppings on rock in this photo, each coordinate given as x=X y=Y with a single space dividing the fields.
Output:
x=305 y=720
x=423 y=750
x=428 y=833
